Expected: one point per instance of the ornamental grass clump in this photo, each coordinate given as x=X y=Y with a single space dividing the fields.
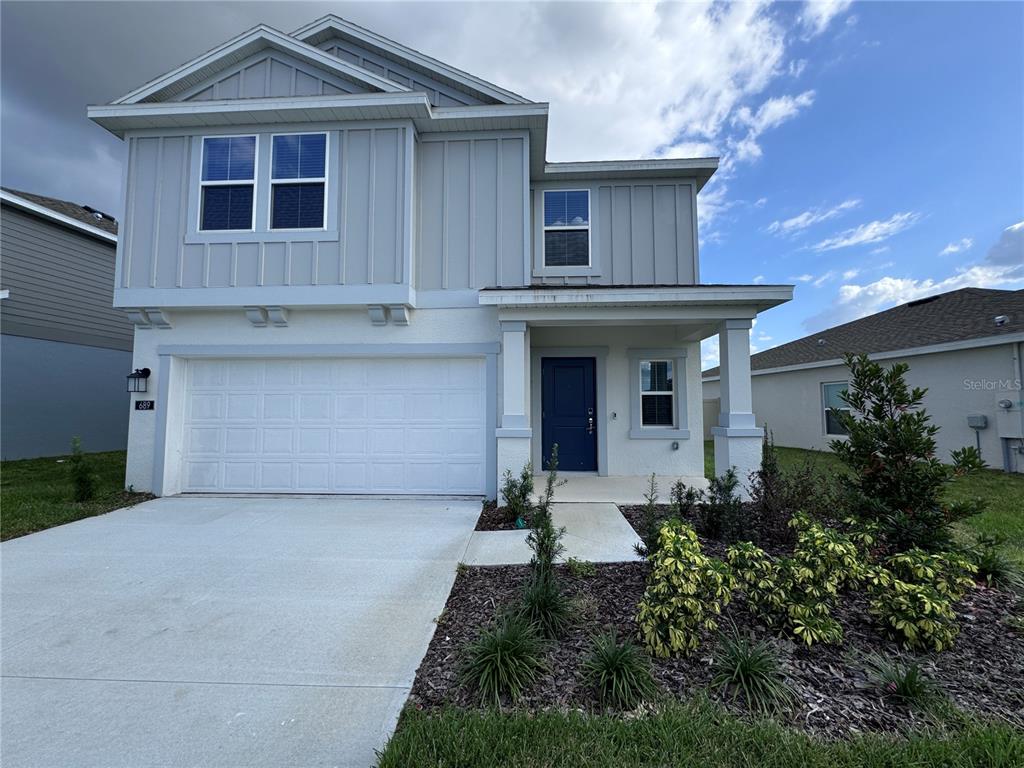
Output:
x=749 y=669
x=905 y=683
x=504 y=660
x=994 y=566
x=685 y=593
x=620 y=672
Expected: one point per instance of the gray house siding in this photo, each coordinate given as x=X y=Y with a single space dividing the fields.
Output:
x=641 y=233
x=440 y=94
x=61 y=284
x=265 y=76
x=472 y=211
x=366 y=240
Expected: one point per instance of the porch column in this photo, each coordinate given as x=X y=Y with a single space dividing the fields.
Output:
x=737 y=436
x=514 y=434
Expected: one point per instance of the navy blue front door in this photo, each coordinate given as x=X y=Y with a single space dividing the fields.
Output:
x=569 y=412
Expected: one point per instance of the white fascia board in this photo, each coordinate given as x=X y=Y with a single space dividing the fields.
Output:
x=403 y=53
x=700 y=167
x=759 y=296
x=67 y=221
x=266 y=296
x=893 y=354
x=273 y=38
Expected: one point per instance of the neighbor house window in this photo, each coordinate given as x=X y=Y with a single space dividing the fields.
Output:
x=567 y=228
x=227 y=183
x=830 y=396
x=657 y=393
x=298 y=181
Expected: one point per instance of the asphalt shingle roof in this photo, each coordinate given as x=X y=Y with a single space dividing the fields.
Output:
x=75 y=211
x=968 y=313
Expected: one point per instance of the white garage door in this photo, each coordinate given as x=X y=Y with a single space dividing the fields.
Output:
x=335 y=426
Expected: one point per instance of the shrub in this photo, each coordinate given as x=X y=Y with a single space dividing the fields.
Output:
x=83 y=480
x=651 y=521
x=685 y=592
x=517 y=491
x=897 y=479
x=751 y=670
x=504 y=659
x=620 y=672
x=581 y=569
x=544 y=605
x=905 y=683
x=994 y=566
x=545 y=539
x=683 y=501
x=913 y=597
x=721 y=515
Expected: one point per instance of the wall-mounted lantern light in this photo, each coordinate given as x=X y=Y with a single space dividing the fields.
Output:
x=137 y=380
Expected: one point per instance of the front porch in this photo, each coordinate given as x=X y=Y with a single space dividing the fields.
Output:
x=612 y=376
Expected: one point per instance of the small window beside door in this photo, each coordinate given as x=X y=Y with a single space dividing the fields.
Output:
x=657 y=394
x=832 y=401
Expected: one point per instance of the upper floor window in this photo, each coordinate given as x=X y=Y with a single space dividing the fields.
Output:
x=567 y=228
x=228 y=183
x=657 y=394
x=298 y=181
x=831 y=401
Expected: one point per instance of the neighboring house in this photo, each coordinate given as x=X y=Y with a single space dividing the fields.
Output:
x=64 y=349
x=965 y=347
x=352 y=270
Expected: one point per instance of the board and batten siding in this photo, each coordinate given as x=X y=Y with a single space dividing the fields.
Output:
x=641 y=233
x=61 y=284
x=472 y=215
x=366 y=240
x=266 y=76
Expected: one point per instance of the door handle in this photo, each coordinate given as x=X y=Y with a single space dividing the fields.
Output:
x=590 y=425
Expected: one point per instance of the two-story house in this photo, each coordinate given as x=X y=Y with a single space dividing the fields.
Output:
x=352 y=270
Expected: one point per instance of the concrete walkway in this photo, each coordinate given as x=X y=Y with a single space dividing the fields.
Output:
x=222 y=632
x=617 y=489
x=595 y=532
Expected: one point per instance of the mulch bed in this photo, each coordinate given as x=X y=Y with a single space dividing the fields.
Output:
x=982 y=673
x=494 y=518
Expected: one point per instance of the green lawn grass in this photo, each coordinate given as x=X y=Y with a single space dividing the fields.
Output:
x=1003 y=493
x=694 y=735
x=36 y=493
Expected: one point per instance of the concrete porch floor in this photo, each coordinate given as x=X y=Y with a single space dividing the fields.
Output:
x=593 y=531
x=616 y=489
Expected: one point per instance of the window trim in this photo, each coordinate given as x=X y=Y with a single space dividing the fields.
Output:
x=271 y=181
x=825 y=408
x=228 y=182
x=680 y=428
x=565 y=228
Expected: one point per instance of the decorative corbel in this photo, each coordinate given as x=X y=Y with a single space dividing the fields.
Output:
x=137 y=317
x=158 y=317
x=399 y=314
x=257 y=316
x=377 y=314
x=278 y=316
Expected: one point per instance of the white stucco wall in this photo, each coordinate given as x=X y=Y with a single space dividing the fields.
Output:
x=790 y=403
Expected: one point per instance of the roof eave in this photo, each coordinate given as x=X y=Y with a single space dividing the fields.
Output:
x=41 y=210
x=701 y=168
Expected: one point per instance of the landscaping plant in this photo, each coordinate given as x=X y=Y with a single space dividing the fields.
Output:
x=545 y=539
x=721 y=515
x=504 y=659
x=994 y=565
x=651 y=521
x=81 y=473
x=896 y=477
x=620 y=672
x=581 y=569
x=683 y=501
x=749 y=669
x=544 y=604
x=904 y=682
x=517 y=491
x=685 y=592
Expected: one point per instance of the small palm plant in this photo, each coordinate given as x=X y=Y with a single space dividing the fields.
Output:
x=620 y=671
x=504 y=659
x=749 y=669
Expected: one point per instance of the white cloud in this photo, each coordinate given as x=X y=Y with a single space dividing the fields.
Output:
x=758 y=279
x=850 y=274
x=805 y=278
x=817 y=14
x=761 y=202
x=872 y=232
x=1009 y=249
x=964 y=244
x=709 y=353
x=797 y=67
x=771 y=114
x=880 y=249
x=820 y=281
x=811 y=217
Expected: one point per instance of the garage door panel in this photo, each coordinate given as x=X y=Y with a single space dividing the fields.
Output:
x=336 y=426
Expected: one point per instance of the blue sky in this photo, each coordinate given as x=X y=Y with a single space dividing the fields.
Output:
x=871 y=152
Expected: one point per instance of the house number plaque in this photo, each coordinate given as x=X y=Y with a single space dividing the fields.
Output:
x=145 y=405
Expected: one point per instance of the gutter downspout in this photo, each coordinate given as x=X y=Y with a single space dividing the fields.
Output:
x=1019 y=375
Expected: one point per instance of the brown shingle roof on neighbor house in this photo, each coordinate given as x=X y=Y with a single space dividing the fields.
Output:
x=968 y=313
x=81 y=213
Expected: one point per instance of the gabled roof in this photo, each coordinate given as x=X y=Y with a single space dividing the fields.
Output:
x=330 y=26
x=167 y=87
x=963 y=315
x=73 y=215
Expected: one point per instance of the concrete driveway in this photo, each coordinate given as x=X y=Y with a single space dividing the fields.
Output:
x=222 y=631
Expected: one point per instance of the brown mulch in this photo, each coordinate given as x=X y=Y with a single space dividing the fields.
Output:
x=982 y=673
x=494 y=518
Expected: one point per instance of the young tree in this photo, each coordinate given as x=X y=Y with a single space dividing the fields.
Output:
x=897 y=480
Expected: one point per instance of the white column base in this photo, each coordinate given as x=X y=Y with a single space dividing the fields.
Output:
x=739 y=449
x=513 y=454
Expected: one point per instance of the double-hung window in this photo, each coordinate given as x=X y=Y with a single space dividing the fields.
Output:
x=657 y=393
x=831 y=402
x=298 y=181
x=228 y=183
x=567 y=228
